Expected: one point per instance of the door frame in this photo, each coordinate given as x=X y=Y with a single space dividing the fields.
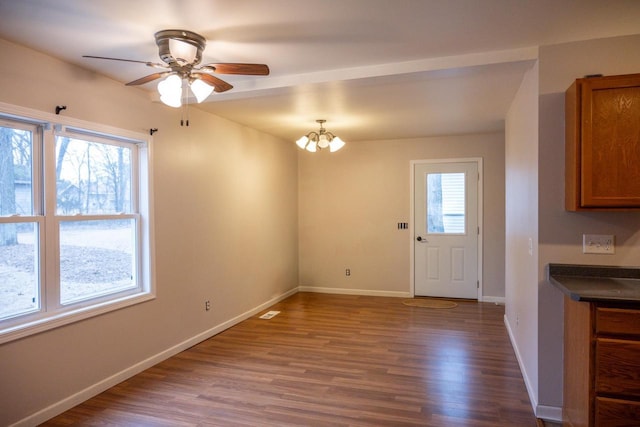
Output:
x=413 y=163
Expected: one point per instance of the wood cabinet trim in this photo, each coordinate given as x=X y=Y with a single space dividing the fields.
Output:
x=618 y=186
x=601 y=364
x=578 y=363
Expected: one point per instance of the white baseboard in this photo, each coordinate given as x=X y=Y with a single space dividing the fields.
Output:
x=344 y=291
x=95 y=389
x=532 y=396
x=495 y=300
x=368 y=292
x=549 y=413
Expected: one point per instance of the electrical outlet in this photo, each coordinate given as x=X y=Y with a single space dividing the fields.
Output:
x=598 y=244
x=347 y=272
x=207 y=305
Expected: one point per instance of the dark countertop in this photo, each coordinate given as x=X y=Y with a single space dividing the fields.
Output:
x=595 y=283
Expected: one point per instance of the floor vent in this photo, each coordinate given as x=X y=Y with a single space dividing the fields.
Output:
x=270 y=315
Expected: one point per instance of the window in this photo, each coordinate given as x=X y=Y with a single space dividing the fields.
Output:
x=446 y=203
x=75 y=226
x=20 y=228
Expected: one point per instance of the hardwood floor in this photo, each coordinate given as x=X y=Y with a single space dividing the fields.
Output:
x=331 y=360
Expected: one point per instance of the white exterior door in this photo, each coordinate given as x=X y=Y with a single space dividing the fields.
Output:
x=446 y=229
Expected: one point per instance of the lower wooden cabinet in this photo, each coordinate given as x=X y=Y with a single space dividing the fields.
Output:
x=617 y=367
x=616 y=412
x=601 y=365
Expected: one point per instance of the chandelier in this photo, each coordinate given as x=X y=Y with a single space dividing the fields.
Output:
x=314 y=141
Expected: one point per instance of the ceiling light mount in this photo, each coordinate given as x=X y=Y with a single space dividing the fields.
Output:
x=180 y=47
x=314 y=141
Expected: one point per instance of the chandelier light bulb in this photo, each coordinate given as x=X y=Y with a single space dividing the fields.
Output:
x=302 y=142
x=323 y=141
x=311 y=147
x=336 y=144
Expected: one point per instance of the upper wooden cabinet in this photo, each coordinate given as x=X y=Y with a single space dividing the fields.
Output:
x=602 y=145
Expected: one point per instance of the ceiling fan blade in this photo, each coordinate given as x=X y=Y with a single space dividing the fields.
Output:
x=147 y=79
x=147 y=63
x=246 y=69
x=218 y=84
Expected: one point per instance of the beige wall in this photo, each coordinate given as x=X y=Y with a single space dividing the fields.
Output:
x=225 y=228
x=351 y=201
x=521 y=159
x=560 y=239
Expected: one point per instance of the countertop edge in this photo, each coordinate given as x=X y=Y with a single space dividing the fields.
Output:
x=574 y=296
x=556 y=273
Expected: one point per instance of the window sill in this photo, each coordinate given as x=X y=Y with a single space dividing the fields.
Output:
x=56 y=320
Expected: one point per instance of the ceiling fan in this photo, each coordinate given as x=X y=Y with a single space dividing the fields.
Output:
x=181 y=52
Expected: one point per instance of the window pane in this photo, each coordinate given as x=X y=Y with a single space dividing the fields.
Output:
x=92 y=178
x=446 y=203
x=19 y=290
x=15 y=172
x=96 y=258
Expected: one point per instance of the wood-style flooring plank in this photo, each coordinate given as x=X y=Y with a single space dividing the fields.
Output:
x=331 y=360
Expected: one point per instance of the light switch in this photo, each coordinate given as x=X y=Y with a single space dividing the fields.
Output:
x=598 y=244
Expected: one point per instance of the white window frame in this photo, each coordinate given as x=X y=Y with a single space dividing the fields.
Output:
x=51 y=313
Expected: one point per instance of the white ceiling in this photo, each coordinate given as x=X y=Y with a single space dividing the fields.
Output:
x=375 y=69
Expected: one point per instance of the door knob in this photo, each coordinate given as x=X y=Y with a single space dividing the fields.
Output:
x=420 y=239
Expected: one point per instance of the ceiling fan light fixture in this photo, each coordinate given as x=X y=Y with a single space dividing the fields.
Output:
x=182 y=52
x=200 y=89
x=180 y=44
x=170 y=90
x=171 y=101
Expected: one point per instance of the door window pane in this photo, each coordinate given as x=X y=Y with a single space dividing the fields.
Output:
x=19 y=284
x=91 y=177
x=96 y=258
x=446 y=203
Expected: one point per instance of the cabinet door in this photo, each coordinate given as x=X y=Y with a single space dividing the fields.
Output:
x=618 y=321
x=610 y=155
x=616 y=367
x=616 y=413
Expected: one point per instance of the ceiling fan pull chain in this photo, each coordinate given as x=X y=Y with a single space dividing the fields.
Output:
x=186 y=103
